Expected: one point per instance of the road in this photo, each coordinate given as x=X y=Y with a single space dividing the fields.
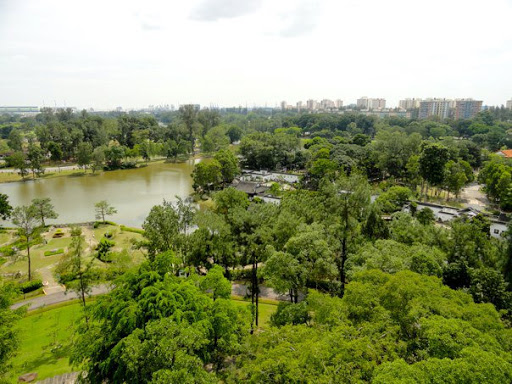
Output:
x=60 y=297
x=46 y=169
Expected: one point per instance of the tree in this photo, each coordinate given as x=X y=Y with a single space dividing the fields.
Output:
x=35 y=159
x=24 y=218
x=5 y=207
x=154 y=327
x=18 y=161
x=432 y=160
x=44 y=209
x=228 y=165
x=55 y=151
x=347 y=201
x=103 y=208
x=15 y=141
x=74 y=271
x=426 y=216
x=455 y=177
x=9 y=340
x=98 y=159
x=114 y=156
x=235 y=133
x=286 y=274
x=84 y=154
x=207 y=176
x=188 y=115
x=161 y=228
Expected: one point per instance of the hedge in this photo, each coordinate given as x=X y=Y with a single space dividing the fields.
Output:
x=30 y=286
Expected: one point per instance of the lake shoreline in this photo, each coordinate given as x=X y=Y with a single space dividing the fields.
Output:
x=79 y=172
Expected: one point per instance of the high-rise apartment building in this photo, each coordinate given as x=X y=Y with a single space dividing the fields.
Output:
x=509 y=104
x=283 y=105
x=467 y=108
x=327 y=104
x=339 y=103
x=367 y=103
x=435 y=107
x=311 y=104
x=377 y=103
x=409 y=103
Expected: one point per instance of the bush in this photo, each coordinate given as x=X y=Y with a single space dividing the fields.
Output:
x=30 y=286
x=54 y=252
x=288 y=313
x=134 y=230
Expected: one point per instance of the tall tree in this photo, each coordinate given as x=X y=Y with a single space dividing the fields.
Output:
x=9 y=340
x=24 y=218
x=188 y=115
x=5 y=207
x=44 y=209
x=15 y=141
x=347 y=201
x=77 y=272
x=18 y=160
x=84 y=154
x=35 y=157
x=103 y=208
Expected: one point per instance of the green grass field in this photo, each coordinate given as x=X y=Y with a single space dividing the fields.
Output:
x=46 y=336
x=37 y=255
x=46 y=341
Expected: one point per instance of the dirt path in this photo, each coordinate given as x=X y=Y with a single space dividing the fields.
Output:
x=473 y=197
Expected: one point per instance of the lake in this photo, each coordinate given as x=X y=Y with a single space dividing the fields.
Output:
x=132 y=192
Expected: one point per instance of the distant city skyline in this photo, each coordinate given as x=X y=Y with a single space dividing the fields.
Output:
x=255 y=52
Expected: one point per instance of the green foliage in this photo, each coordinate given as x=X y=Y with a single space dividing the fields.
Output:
x=387 y=329
x=289 y=313
x=102 y=209
x=5 y=207
x=393 y=199
x=44 y=209
x=9 y=339
x=155 y=327
x=54 y=252
x=30 y=286
x=103 y=249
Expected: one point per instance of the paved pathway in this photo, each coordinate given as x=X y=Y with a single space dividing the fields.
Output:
x=59 y=297
x=55 y=298
x=473 y=197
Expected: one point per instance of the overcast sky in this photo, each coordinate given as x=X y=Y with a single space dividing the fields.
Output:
x=104 y=54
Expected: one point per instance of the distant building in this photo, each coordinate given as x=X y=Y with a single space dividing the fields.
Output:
x=339 y=103
x=283 y=105
x=409 y=103
x=507 y=153
x=509 y=104
x=435 y=107
x=19 y=110
x=367 y=103
x=299 y=106
x=467 y=108
x=327 y=104
x=311 y=104
x=363 y=103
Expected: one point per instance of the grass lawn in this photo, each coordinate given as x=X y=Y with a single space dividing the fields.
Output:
x=38 y=258
x=122 y=240
x=265 y=310
x=45 y=342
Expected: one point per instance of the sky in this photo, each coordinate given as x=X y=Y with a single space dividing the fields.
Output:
x=108 y=53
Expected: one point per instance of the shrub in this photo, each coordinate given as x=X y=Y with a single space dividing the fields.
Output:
x=30 y=286
x=54 y=252
x=134 y=230
x=288 y=313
